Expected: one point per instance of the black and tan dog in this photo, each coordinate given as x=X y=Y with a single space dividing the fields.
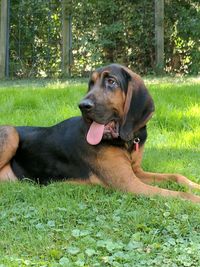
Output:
x=104 y=146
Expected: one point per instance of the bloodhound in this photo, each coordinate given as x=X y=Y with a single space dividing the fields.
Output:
x=103 y=146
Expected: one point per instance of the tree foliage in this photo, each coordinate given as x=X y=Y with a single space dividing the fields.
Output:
x=103 y=32
x=35 y=38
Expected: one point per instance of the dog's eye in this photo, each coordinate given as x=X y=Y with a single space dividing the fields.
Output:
x=111 y=82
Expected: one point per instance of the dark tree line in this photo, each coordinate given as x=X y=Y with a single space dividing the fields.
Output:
x=102 y=32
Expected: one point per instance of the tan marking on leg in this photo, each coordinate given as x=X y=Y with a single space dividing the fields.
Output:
x=95 y=180
x=150 y=177
x=115 y=170
x=6 y=174
x=9 y=141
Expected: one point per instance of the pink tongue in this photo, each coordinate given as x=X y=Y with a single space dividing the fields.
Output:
x=95 y=133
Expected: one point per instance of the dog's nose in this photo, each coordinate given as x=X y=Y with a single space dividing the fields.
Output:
x=86 y=105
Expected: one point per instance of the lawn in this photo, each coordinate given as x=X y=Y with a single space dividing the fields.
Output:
x=68 y=225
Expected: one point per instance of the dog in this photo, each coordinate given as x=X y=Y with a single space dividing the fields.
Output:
x=104 y=146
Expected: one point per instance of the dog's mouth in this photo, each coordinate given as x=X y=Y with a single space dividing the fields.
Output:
x=98 y=131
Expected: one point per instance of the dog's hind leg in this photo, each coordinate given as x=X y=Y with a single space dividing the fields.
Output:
x=9 y=141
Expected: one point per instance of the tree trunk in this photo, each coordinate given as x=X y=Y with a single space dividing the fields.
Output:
x=3 y=37
x=66 y=40
x=159 y=36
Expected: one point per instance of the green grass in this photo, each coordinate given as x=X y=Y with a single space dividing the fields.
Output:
x=66 y=225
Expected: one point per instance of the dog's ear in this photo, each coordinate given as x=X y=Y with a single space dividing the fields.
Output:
x=138 y=108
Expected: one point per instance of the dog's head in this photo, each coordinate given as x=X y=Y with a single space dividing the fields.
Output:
x=117 y=104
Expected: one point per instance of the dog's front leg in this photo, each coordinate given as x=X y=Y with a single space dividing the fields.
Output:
x=150 y=177
x=114 y=170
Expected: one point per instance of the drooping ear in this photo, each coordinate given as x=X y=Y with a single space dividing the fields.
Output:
x=138 y=108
